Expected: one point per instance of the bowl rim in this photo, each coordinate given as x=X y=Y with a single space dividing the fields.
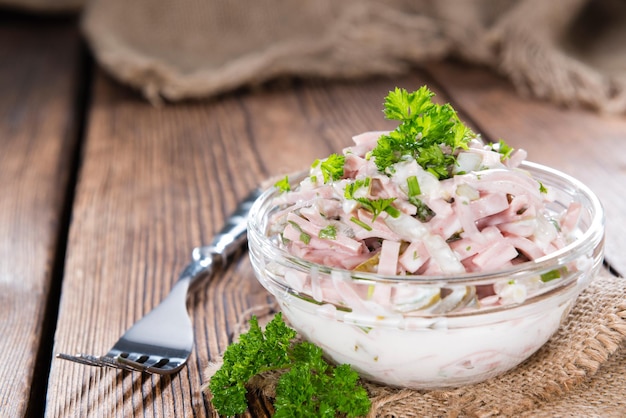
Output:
x=537 y=266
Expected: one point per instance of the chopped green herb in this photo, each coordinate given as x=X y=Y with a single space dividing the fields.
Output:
x=328 y=232
x=364 y=329
x=283 y=184
x=392 y=211
x=309 y=386
x=551 y=275
x=454 y=237
x=429 y=132
x=351 y=188
x=361 y=223
x=503 y=148
x=378 y=206
x=424 y=212
x=331 y=167
x=413 y=185
x=304 y=237
x=542 y=188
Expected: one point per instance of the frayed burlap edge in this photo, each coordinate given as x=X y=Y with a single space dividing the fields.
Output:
x=521 y=40
x=593 y=334
x=527 y=48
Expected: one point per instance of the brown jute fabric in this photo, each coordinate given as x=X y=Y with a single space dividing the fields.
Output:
x=580 y=372
x=572 y=52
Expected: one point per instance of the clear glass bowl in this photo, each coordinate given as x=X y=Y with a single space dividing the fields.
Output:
x=427 y=332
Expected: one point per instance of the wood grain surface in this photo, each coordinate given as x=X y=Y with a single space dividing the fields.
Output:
x=38 y=84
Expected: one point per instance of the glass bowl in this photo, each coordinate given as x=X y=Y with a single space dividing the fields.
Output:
x=428 y=332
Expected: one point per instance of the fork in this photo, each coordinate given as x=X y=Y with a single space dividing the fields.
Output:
x=161 y=342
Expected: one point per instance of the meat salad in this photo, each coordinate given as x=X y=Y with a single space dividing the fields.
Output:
x=474 y=210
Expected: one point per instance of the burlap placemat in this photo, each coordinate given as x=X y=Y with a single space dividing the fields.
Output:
x=572 y=52
x=580 y=372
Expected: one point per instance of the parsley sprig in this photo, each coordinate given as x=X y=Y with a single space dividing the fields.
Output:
x=429 y=132
x=309 y=387
x=331 y=167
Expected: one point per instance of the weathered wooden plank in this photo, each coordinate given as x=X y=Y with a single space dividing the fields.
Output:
x=578 y=142
x=156 y=182
x=38 y=84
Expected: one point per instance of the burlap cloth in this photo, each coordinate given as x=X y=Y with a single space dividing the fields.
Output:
x=580 y=372
x=572 y=52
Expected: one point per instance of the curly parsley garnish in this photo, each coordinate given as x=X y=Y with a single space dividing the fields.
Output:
x=309 y=387
x=430 y=133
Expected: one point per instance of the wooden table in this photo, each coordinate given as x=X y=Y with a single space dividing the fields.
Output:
x=103 y=196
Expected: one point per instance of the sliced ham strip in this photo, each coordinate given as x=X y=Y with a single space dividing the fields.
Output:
x=353 y=164
x=341 y=242
x=496 y=256
x=365 y=142
x=518 y=156
x=571 y=217
x=388 y=262
x=525 y=246
x=445 y=227
x=379 y=228
x=441 y=253
x=466 y=218
x=506 y=182
x=523 y=228
x=489 y=204
x=414 y=257
x=467 y=247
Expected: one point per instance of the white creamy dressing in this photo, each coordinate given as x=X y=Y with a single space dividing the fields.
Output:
x=424 y=353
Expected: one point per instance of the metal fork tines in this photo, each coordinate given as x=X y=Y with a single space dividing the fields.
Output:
x=145 y=358
x=99 y=361
x=162 y=341
x=135 y=361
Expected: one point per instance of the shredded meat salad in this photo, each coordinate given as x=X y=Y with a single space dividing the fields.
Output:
x=428 y=198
